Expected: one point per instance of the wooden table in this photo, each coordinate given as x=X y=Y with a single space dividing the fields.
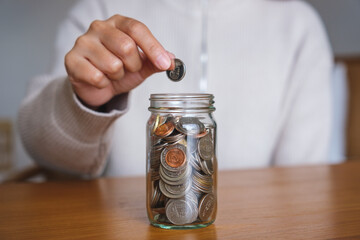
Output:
x=317 y=202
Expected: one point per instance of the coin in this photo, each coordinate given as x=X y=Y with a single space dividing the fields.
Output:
x=156 y=195
x=206 y=207
x=160 y=210
x=190 y=125
x=202 y=134
x=180 y=211
x=175 y=136
x=181 y=141
x=168 y=194
x=202 y=183
x=178 y=189
x=160 y=146
x=158 y=121
x=173 y=176
x=191 y=196
x=152 y=120
x=195 y=161
x=155 y=140
x=207 y=166
x=175 y=161
x=181 y=161
x=175 y=179
x=179 y=71
x=164 y=129
x=206 y=147
x=175 y=157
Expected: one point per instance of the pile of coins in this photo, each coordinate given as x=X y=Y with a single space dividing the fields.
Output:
x=181 y=162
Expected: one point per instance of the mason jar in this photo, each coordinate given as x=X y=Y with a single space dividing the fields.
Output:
x=181 y=165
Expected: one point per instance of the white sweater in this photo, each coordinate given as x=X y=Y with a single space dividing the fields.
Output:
x=269 y=68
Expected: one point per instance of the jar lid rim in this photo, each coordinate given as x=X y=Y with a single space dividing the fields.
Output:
x=160 y=96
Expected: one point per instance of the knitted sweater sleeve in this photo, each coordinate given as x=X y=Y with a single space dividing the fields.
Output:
x=306 y=128
x=56 y=129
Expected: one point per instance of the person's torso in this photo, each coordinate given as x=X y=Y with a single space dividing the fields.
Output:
x=249 y=59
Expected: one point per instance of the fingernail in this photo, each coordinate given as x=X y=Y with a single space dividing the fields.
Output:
x=163 y=62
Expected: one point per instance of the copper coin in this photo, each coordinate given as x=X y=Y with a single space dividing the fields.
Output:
x=175 y=157
x=165 y=152
x=202 y=134
x=164 y=129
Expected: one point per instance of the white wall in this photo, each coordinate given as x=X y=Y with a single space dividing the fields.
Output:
x=28 y=28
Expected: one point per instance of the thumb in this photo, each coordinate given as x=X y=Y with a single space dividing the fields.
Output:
x=149 y=68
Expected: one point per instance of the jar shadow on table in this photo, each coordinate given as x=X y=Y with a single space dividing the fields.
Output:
x=208 y=233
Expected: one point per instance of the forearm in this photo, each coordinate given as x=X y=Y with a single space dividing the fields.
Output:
x=60 y=133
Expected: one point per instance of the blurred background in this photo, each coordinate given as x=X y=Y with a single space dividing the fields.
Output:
x=27 y=34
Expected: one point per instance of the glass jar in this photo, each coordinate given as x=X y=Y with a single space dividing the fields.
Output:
x=181 y=166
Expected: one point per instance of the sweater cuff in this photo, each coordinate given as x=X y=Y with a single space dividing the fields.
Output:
x=117 y=105
x=80 y=122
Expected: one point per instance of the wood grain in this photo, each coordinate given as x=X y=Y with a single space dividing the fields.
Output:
x=353 y=124
x=317 y=202
x=353 y=109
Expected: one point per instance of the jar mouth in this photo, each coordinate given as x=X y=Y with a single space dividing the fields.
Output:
x=181 y=102
x=180 y=96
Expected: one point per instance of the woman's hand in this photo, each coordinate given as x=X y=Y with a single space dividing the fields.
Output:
x=107 y=60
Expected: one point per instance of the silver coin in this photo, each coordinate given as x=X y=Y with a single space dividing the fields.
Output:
x=178 y=189
x=207 y=166
x=160 y=145
x=192 y=144
x=189 y=125
x=194 y=161
x=155 y=140
x=174 y=137
x=204 y=179
x=181 y=141
x=168 y=194
x=193 y=199
x=191 y=196
x=180 y=211
x=156 y=195
x=197 y=191
x=175 y=181
x=202 y=183
x=179 y=71
x=206 y=207
x=206 y=147
x=173 y=176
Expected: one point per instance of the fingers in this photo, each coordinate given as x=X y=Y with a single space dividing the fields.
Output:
x=144 y=39
x=119 y=48
x=100 y=57
x=172 y=57
x=149 y=68
x=81 y=70
x=118 y=43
